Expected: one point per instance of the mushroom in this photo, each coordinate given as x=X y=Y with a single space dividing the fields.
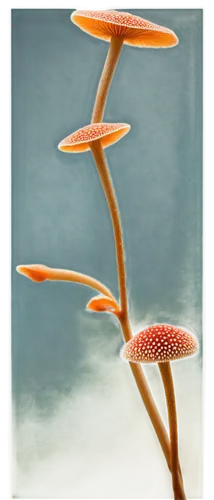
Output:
x=39 y=273
x=83 y=139
x=162 y=344
x=35 y=272
x=103 y=304
x=96 y=137
x=119 y=28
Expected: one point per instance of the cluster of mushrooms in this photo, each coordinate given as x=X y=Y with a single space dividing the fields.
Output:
x=159 y=343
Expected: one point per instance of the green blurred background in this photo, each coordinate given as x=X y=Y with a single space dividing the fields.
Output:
x=68 y=378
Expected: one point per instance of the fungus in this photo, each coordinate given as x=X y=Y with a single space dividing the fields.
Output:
x=95 y=137
x=39 y=273
x=103 y=304
x=119 y=28
x=162 y=344
x=81 y=140
x=35 y=272
x=93 y=142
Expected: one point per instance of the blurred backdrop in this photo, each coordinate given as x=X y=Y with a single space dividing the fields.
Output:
x=80 y=428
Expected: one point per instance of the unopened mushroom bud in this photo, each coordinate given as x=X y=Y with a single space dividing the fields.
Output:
x=162 y=344
x=103 y=304
x=35 y=272
x=39 y=273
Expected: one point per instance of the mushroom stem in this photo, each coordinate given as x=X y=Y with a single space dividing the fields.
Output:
x=114 y=51
x=100 y=161
x=177 y=481
x=146 y=395
x=52 y=274
x=137 y=371
x=84 y=279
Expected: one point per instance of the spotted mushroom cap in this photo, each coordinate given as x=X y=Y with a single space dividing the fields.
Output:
x=108 y=133
x=133 y=29
x=159 y=344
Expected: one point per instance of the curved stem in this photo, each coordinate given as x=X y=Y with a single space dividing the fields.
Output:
x=137 y=370
x=115 y=48
x=39 y=273
x=84 y=279
x=105 y=177
x=146 y=395
x=97 y=151
x=177 y=482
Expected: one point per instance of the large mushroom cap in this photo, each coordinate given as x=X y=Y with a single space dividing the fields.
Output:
x=133 y=29
x=108 y=133
x=159 y=344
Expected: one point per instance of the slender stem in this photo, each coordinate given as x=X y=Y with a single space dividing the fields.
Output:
x=177 y=481
x=146 y=395
x=105 y=177
x=39 y=273
x=137 y=370
x=84 y=279
x=97 y=151
x=115 y=48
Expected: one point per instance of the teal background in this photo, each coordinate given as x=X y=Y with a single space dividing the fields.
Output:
x=60 y=218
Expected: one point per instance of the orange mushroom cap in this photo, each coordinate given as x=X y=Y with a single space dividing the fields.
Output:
x=103 y=304
x=133 y=29
x=159 y=344
x=35 y=272
x=108 y=133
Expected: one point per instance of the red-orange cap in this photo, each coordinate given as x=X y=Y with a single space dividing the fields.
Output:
x=159 y=344
x=133 y=29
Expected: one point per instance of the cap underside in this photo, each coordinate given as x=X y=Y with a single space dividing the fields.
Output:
x=106 y=140
x=155 y=37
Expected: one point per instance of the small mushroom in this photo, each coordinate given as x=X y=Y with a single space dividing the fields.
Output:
x=95 y=137
x=82 y=139
x=103 y=304
x=119 y=28
x=39 y=273
x=35 y=272
x=162 y=344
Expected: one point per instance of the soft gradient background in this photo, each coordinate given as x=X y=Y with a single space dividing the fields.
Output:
x=80 y=428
